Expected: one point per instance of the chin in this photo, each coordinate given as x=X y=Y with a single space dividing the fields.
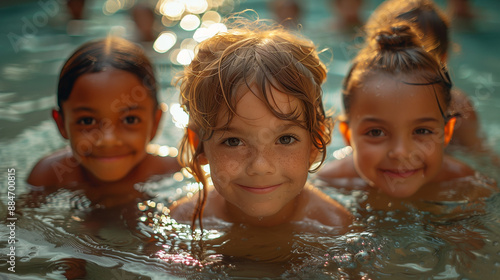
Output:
x=109 y=177
x=401 y=194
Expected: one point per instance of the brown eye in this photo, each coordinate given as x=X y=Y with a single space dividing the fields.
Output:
x=375 y=133
x=232 y=142
x=86 y=121
x=287 y=139
x=423 y=131
x=131 y=120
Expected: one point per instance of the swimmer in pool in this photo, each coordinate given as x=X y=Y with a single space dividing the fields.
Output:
x=396 y=119
x=254 y=100
x=109 y=112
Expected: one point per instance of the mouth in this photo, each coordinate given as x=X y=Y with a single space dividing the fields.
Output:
x=110 y=158
x=399 y=173
x=260 y=189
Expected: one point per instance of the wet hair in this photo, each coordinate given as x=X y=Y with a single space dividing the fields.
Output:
x=424 y=15
x=397 y=50
x=260 y=58
x=96 y=56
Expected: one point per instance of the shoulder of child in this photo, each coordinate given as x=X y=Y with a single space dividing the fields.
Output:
x=182 y=210
x=452 y=168
x=324 y=209
x=343 y=168
x=54 y=169
x=157 y=165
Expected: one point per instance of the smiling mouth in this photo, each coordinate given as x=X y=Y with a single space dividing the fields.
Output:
x=399 y=173
x=109 y=158
x=260 y=190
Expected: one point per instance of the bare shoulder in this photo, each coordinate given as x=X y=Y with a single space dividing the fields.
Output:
x=55 y=169
x=158 y=165
x=182 y=210
x=153 y=168
x=324 y=209
x=453 y=169
x=343 y=168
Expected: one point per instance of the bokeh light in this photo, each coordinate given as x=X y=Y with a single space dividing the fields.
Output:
x=172 y=9
x=197 y=6
x=185 y=56
x=210 y=18
x=204 y=33
x=179 y=116
x=190 y=22
x=165 y=41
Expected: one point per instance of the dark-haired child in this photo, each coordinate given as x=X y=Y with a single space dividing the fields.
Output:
x=396 y=103
x=433 y=28
x=109 y=112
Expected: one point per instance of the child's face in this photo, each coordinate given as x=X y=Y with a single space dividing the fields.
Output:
x=109 y=119
x=397 y=134
x=260 y=163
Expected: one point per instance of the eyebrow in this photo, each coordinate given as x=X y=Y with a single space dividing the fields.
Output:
x=372 y=119
x=426 y=119
x=238 y=130
x=420 y=120
x=121 y=110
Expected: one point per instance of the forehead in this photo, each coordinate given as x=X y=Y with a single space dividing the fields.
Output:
x=390 y=87
x=248 y=100
x=391 y=95
x=111 y=87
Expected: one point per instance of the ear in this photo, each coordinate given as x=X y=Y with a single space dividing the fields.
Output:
x=314 y=156
x=448 y=130
x=202 y=159
x=346 y=132
x=156 y=123
x=59 y=119
x=444 y=57
x=194 y=141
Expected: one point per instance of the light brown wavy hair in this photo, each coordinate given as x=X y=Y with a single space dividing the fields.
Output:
x=252 y=53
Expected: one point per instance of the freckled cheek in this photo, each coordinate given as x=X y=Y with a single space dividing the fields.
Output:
x=295 y=161
x=223 y=167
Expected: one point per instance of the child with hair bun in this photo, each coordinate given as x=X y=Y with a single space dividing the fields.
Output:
x=396 y=118
x=254 y=99
x=433 y=27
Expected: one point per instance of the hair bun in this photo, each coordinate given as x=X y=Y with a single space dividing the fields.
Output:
x=396 y=37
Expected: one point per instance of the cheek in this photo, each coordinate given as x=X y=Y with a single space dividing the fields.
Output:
x=297 y=161
x=81 y=146
x=223 y=167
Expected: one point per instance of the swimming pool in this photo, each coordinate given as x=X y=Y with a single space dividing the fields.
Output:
x=63 y=231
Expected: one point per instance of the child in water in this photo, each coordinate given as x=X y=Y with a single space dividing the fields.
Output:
x=109 y=112
x=430 y=20
x=396 y=102
x=254 y=101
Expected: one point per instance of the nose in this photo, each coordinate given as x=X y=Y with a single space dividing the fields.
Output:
x=261 y=162
x=401 y=148
x=109 y=137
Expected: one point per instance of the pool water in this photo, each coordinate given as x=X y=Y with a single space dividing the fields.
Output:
x=63 y=235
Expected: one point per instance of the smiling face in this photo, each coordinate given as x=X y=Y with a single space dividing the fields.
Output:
x=260 y=163
x=397 y=133
x=109 y=118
